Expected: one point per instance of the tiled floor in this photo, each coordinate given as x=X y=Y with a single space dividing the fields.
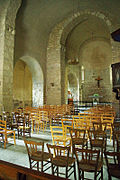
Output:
x=18 y=154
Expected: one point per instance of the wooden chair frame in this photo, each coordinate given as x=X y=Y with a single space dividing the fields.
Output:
x=88 y=161
x=62 y=159
x=6 y=132
x=113 y=164
x=59 y=136
x=36 y=154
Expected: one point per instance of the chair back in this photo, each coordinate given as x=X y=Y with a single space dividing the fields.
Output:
x=87 y=157
x=113 y=164
x=58 y=151
x=78 y=138
x=33 y=146
x=57 y=132
x=3 y=125
x=68 y=122
x=80 y=122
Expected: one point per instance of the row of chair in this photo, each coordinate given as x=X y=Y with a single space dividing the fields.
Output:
x=88 y=159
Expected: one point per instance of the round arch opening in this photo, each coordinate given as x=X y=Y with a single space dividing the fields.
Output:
x=28 y=83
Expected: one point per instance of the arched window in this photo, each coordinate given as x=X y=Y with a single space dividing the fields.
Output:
x=110 y=74
x=82 y=74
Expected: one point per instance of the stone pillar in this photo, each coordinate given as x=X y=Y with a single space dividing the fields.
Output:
x=53 y=90
x=11 y=12
x=3 y=7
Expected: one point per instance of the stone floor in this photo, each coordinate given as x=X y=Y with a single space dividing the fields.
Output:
x=18 y=155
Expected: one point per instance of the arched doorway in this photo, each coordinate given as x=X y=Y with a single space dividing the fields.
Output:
x=22 y=85
x=28 y=82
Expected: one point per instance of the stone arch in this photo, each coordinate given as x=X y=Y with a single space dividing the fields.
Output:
x=37 y=80
x=56 y=53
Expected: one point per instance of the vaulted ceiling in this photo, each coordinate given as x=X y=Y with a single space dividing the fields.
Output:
x=36 y=19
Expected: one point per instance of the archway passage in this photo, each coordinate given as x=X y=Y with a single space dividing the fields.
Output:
x=28 y=83
x=22 y=85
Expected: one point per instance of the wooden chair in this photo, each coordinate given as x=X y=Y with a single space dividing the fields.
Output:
x=36 y=154
x=14 y=120
x=78 y=138
x=43 y=120
x=116 y=130
x=24 y=125
x=6 y=132
x=108 y=120
x=80 y=122
x=118 y=140
x=8 y=119
x=98 y=140
x=67 y=123
x=113 y=164
x=61 y=159
x=95 y=118
x=88 y=161
x=34 y=117
x=59 y=136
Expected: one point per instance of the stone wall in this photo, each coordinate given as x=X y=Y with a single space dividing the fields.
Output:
x=8 y=17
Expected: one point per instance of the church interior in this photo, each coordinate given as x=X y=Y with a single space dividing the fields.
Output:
x=57 y=55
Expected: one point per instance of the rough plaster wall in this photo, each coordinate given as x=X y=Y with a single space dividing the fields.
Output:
x=22 y=85
x=96 y=57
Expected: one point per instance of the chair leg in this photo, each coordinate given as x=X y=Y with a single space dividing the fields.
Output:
x=102 y=173
x=52 y=169
x=37 y=165
x=30 y=163
x=66 y=172
x=5 y=140
x=18 y=133
x=83 y=175
x=79 y=173
x=14 y=139
x=41 y=166
x=74 y=171
x=57 y=171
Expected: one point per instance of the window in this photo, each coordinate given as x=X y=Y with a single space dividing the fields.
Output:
x=82 y=74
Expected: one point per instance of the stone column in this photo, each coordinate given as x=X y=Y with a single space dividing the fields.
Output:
x=9 y=34
x=2 y=29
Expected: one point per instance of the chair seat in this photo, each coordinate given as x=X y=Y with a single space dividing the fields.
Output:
x=7 y=131
x=62 y=161
x=97 y=143
x=89 y=165
x=10 y=131
x=39 y=156
x=14 y=124
x=61 y=139
x=2 y=131
x=114 y=170
x=79 y=141
x=21 y=127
